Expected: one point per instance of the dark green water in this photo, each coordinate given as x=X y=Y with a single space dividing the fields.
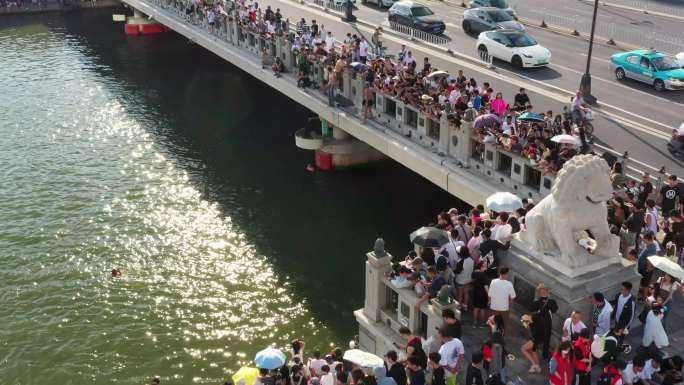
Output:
x=153 y=155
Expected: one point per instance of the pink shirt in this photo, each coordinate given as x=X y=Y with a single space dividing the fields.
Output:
x=474 y=248
x=499 y=106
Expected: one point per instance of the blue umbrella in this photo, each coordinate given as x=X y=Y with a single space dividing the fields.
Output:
x=270 y=358
x=531 y=116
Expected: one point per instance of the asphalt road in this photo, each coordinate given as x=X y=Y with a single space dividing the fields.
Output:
x=661 y=111
x=642 y=128
x=637 y=28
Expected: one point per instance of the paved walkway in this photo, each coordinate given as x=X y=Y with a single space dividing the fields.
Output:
x=517 y=369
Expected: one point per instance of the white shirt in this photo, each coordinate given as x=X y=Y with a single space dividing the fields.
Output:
x=466 y=275
x=328 y=379
x=329 y=43
x=363 y=48
x=316 y=364
x=603 y=321
x=450 y=352
x=572 y=328
x=648 y=371
x=450 y=248
x=454 y=95
x=502 y=233
x=628 y=375
x=500 y=291
x=408 y=60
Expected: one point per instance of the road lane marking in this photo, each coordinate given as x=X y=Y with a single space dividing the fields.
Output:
x=595 y=58
x=615 y=83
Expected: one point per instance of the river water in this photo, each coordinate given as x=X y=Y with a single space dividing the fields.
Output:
x=152 y=155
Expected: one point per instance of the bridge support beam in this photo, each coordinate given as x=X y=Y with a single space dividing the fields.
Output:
x=140 y=24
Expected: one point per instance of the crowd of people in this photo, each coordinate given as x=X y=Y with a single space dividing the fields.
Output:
x=470 y=261
x=415 y=82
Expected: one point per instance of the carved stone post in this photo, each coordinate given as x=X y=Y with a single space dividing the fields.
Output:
x=461 y=141
x=379 y=262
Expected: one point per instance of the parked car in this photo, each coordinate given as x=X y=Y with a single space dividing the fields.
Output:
x=477 y=20
x=501 y=4
x=416 y=16
x=380 y=3
x=515 y=47
x=648 y=66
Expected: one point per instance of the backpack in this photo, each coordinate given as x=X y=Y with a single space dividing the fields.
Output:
x=599 y=347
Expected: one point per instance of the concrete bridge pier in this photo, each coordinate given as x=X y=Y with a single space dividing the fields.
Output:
x=335 y=148
x=140 y=24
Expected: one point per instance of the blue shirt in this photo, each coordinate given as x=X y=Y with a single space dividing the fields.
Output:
x=477 y=102
x=646 y=252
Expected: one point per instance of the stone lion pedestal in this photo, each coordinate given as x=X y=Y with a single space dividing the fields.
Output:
x=555 y=248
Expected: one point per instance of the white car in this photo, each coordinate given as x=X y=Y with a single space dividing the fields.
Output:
x=513 y=46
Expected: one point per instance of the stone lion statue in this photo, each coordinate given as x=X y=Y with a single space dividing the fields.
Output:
x=577 y=203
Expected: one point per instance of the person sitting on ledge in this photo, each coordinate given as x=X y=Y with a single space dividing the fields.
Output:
x=278 y=67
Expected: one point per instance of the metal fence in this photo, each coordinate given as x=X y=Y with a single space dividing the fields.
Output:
x=650 y=6
x=340 y=6
x=418 y=34
x=485 y=57
x=616 y=32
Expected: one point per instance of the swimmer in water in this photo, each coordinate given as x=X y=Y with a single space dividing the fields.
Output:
x=116 y=272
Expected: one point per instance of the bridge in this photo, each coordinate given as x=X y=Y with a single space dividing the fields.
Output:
x=445 y=154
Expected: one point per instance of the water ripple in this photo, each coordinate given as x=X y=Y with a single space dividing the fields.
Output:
x=85 y=188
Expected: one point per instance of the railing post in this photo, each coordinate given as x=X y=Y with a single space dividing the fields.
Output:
x=444 y=134
x=461 y=137
x=235 y=33
x=378 y=263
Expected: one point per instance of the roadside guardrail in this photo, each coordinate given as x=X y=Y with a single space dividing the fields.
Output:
x=611 y=31
x=418 y=34
x=649 y=6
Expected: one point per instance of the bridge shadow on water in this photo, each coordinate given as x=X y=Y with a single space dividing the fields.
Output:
x=235 y=138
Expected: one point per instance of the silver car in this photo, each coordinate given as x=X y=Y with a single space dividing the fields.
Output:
x=501 y=4
x=476 y=20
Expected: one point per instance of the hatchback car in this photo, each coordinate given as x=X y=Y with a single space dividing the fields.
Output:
x=501 y=4
x=477 y=20
x=515 y=47
x=416 y=16
x=648 y=66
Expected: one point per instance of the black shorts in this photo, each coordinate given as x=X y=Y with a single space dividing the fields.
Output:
x=646 y=279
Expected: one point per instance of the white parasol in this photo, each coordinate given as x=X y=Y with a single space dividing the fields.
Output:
x=565 y=139
x=363 y=359
x=503 y=202
x=667 y=265
x=438 y=74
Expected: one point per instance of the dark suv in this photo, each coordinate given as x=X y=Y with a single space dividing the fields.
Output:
x=416 y=16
